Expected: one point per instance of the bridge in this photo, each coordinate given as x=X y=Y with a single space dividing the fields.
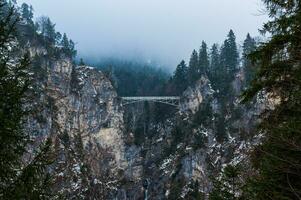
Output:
x=169 y=100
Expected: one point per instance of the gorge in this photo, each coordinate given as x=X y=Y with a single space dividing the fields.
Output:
x=119 y=129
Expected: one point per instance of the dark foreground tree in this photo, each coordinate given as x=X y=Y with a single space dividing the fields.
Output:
x=228 y=185
x=278 y=158
x=18 y=180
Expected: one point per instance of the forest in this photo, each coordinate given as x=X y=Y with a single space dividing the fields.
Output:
x=40 y=68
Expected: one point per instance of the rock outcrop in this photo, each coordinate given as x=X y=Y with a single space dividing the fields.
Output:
x=103 y=153
x=78 y=108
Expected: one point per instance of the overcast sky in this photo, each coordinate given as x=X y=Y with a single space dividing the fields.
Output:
x=164 y=31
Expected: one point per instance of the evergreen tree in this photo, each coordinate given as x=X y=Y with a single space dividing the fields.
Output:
x=58 y=38
x=232 y=55
x=65 y=42
x=81 y=62
x=68 y=46
x=180 y=79
x=229 y=60
x=249 y=69
x=72 y=51
x=214 y=64
x=278 y=158
x=193 y=70
x=222 y=76
x=27 y=13
x=17 y=180
x=228 y=185
x=194 y=193
x=203 y=60
x=47 y=29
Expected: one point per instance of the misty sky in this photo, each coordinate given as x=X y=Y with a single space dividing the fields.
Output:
x=163 y=31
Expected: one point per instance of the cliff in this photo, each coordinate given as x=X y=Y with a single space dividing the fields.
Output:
x=78 y=108
x=105 y=150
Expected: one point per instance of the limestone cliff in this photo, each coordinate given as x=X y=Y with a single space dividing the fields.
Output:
x=106 y=151
x=78 y=108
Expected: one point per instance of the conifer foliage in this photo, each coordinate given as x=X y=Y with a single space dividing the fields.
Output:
x=18 y=180
x=278 y=158
x=249 y=45
x=180 y=78
x=193 y=70
x=204 y=59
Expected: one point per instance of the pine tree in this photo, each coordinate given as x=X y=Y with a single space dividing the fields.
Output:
x=214 y=64
x=72 y=51
x=81 y=62
x=249 y=69
x=232 y=59
x=11 y=96
x=203 y=60
x=228 y=185
x=58 y=38
x=18 y=180
x=193 y=70
x=222 y=77
x=180 y=79
x=65 y=42
x=27 y=13
x=47 y=29
x=229 y=60
x=278 y=158
x=68 y=46
x=194 y=193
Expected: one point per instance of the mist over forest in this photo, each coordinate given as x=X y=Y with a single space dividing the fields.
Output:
x=161 y=32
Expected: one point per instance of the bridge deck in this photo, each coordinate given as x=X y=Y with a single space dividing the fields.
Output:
x=151 y=98
x=170 y=100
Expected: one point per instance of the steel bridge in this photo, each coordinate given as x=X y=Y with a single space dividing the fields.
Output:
x=169 y=100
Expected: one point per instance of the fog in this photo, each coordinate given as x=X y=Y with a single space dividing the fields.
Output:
x=160 y=31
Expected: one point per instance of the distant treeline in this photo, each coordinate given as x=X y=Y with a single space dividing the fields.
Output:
x=220 y=64
x=43 y=32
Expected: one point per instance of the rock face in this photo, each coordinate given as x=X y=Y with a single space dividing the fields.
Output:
x=185 y=149
x=77 y=107
x=107 y=151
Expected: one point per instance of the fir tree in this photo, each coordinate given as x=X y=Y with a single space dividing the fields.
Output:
x=278 y=158
x=203 y=60
x=81 y=62
x=27 y=13
x=229 y=60
x=58 y=38
x=180 y=79
x=222 y=76
x=47 y=29
x=68 y=46
x=194 y=193
x=249 y=69
x=214 y=64
x=72 y=51
x=65 y=42
x=193 y=70
x=13 y=83
x=228 y=185
x=18 y=180
x=232 y=55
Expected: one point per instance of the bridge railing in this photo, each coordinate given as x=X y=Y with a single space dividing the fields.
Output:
x=152 y=98
x=170 y=100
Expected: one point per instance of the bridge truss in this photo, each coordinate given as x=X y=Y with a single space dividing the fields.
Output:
x=169 y=100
